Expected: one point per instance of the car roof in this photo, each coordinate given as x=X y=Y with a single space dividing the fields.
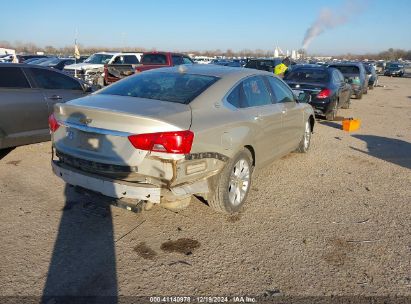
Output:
x=357 y=64
x=310 y=66
x=26 y=65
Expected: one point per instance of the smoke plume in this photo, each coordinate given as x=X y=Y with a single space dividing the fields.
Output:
x=329 y=19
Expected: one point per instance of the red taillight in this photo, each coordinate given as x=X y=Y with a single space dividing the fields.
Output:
x=53 y=124
x=178 y=142
x=324 y=94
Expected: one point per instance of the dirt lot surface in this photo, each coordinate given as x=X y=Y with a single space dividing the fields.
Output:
x=334 y=221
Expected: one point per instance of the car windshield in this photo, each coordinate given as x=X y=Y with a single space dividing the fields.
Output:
x=347 y=69
x=98 y=59
x=307 y=75
x=395 y=66
x=39 y=60
x=50 y=61
x=171 y=87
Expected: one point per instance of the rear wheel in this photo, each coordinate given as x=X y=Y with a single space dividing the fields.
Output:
x=358 y=95
x=333 y=112
x=366 y=90
x=306 y=140
x=347 y=103
x=233 y=184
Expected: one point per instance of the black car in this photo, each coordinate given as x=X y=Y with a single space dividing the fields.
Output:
x=263 y=64
x=57 y=63
x=327 y=87
x=395 y=69
x=372 y=76
x=355 y=74
x=24 y=58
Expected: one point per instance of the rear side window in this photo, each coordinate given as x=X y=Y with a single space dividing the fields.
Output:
x=347 y=69
x=11 y=77
x=177 y=60
x=187 y=60
x=172 y=87
x=54 y=81
x=282 y=93
x=154 y=59
x=340 y=76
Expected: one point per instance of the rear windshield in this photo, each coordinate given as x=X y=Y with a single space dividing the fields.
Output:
x=172 y=87
x=154 y=59
x=347 y=69
x=307 y=75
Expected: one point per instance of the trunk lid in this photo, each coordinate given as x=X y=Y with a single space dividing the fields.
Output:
x=97 y=127
x=311 y=88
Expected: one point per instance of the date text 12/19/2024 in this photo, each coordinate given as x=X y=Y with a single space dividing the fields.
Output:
x=235 y=299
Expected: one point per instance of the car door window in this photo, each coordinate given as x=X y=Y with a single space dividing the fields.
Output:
x=251 y=92
x=177 y=60
x=187 y=60
x=130 y=59
x=281 y=92
x=54 y=81
x=11 y=77
x=255 y=93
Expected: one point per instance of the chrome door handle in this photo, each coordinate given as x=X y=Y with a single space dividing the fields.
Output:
x=283 y=111
x=55 y=97
x=258 y=118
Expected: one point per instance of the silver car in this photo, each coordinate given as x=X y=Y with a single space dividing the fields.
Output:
x=164 y=135
x=27 y=96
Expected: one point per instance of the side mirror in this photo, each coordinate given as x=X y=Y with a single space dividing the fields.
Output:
x=87 y=88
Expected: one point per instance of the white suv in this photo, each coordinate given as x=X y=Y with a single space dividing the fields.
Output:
x=92 y=69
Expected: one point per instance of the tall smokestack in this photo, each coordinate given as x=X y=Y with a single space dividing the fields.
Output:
x=329 y=19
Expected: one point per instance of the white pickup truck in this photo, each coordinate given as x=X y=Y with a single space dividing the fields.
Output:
x=92 y=69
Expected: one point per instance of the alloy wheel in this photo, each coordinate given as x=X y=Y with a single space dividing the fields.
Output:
x=239 y=182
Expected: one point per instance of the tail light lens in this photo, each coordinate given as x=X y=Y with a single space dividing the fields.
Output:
x=53 y=123
x=178 y=142
x=324 y=94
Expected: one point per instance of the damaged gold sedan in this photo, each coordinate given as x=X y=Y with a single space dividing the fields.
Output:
x=161 y=136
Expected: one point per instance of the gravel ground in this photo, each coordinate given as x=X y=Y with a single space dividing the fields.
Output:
x=335 y=221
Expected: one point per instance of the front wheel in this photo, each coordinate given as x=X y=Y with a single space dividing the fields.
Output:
x=233 y=184
x=305 y=142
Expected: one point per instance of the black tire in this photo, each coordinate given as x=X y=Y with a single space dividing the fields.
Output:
x=219 y=199
x=333 y=112
x=304 y=145
x=358 y=95
x=347 y=103
x=366 y=90
x=371 y=87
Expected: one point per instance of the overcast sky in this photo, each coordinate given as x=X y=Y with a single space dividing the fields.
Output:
x=206 y=24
